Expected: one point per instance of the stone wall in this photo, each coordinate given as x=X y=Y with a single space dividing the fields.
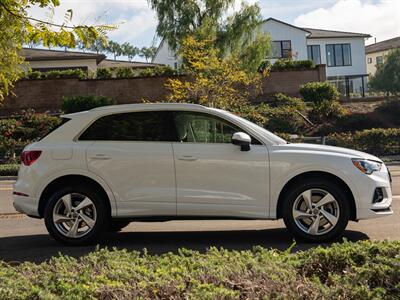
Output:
x=46 y=95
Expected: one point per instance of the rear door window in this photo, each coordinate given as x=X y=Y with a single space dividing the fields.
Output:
x=152 y=126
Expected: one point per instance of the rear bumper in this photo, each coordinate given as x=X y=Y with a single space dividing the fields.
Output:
x=26 y=205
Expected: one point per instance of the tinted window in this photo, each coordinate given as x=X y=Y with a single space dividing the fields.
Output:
x=314 y=53
x=281 y=49
x=137 y=126
x=338 y=55
x=203 y=128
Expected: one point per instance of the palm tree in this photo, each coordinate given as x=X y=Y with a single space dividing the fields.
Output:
x=148 y=52
x=129 y=50
x=98 y=46
x=114 y=48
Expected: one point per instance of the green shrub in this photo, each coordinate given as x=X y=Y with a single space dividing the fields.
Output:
x=292 y=65
x=81 y=103
x=158 y=71
x=103 y=73
x=390 y=111
x=377 y=141
x=255 y=114
x=164 y=71
x=355 y=122
x=317 y=92
x=148 y=72
x=285 y=119
x=264 y=66
x=326 y=110
x=361 y=270
x=24 y=128
x=9 y=169
x=34 y=75
x=280 y=99
x=72 y=73
x=125 y=73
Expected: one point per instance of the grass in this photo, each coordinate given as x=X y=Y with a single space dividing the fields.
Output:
x=361 y=270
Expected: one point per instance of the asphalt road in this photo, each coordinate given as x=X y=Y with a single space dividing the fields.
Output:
x=26 y=239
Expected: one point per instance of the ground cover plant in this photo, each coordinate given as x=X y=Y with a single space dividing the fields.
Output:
x=361 y=270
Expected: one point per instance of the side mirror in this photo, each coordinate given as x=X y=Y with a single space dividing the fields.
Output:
x=241 y=139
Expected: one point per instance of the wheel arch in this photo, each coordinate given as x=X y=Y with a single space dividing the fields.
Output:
x=316 y=174
x=70 y=180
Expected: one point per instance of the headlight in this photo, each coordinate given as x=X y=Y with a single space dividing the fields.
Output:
x=367 y=166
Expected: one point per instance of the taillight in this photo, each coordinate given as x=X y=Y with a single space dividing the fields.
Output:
x=29 y=157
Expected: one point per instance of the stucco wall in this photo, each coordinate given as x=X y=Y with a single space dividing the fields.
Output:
x=371 y=67
x=47 y=94
x=165 y=56
x=89 y=63
x=358 y=62
x=281 y=32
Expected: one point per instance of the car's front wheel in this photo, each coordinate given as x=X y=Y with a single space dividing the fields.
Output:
x=76 y=215
x=316 y=210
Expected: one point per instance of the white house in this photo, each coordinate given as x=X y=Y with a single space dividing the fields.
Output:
x=342 y=52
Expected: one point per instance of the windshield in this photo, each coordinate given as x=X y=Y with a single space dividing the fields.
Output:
x=272 y=137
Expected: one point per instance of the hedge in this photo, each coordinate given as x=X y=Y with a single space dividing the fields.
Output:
x=361 y=270
x=9 y=169
x=292 y=65
x=73 y=104
x=70 y=73
x=377 y=141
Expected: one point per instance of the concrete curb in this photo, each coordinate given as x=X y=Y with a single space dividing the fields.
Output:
x=8 y=178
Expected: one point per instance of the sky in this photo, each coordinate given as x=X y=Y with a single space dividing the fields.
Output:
x=137 y=22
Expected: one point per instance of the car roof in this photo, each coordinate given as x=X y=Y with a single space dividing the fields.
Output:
x=138 y=107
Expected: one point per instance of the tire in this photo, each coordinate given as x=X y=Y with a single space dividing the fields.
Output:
x=316 y=221
x=68 y=225
x=117 y=225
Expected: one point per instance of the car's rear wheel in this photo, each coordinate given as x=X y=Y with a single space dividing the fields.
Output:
x=316 y=210
x=76 y=215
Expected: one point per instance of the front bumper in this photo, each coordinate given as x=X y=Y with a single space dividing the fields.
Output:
x=367 y=209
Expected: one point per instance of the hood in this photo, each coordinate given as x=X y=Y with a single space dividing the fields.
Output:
x=329 y=149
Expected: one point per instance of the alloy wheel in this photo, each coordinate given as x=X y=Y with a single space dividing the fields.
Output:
x=74 y=215
x=316 y=211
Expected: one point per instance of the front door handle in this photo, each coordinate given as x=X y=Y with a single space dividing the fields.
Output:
x=188 y=158
x=100 y=156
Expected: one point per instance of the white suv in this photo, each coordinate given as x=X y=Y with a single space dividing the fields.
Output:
x=111 y=165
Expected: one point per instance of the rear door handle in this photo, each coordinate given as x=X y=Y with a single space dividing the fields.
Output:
x=188 y=158
x=100 y=156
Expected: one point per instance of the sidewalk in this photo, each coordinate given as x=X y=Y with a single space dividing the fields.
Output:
x=6 y=207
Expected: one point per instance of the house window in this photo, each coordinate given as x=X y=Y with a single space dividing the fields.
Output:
x=369 y=60
x=379 y=60
x=314 y=53
x=282 y=49
x=338 y=55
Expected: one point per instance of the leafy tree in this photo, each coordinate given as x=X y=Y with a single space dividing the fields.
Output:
x=17 y=28
x=114 y=48
x=214 y=82
x=238 y=34
x=98 y=46
x=129 y=50
x=387 y=76
x=148 y=52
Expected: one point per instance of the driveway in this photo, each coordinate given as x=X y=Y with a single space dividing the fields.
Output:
x=26 y=239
